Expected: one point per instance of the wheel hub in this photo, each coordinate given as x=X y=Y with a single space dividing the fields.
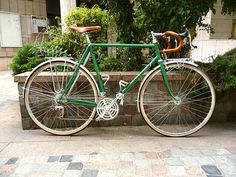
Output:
x=177 y=100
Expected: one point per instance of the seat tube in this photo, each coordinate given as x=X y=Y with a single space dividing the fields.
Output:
x=100 y=82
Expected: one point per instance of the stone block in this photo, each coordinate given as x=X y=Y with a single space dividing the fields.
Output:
x=4 y=63
x=29 y=7
x=36 y=8
x=130 y=109
x=13 y=6
x=21 y=7
x=137 y=120
x=5 y=5
x=43 y=9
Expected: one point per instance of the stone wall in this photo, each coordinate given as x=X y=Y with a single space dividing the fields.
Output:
x=128 y=114
x=25 y=8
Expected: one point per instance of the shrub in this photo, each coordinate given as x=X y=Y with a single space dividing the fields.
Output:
x=64 y=44
x=25 y=59
x=223 y=71
x=29 y=56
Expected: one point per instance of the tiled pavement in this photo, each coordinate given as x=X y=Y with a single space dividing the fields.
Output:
x=175 y=162
x=111 y=151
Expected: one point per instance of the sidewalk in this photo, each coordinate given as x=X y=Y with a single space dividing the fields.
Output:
x=109 y=152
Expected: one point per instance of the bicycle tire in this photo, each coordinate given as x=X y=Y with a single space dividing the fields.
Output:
x=168 y=117
x=41 y=93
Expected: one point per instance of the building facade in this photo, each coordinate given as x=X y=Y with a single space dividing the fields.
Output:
x=222 y=40
x=21 y=21
x=16 y=26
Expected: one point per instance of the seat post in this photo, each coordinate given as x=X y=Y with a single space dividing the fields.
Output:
x=87 y=38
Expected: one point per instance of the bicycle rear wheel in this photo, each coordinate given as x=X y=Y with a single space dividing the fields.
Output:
x=177 y=118
x=44 y=87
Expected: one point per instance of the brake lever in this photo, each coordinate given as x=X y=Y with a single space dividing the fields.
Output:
x=190 y=41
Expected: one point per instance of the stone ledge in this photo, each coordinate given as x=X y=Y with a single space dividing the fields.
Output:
x=129 y=115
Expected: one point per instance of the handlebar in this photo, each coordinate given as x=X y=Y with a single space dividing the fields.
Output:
x=165 y=35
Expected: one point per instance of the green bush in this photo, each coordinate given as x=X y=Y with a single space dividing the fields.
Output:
x=64 y=44
x=25 y=59
x=223 y=71
x=29 y=56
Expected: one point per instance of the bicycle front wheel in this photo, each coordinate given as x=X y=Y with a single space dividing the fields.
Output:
x=44 y=87
x=184 y=116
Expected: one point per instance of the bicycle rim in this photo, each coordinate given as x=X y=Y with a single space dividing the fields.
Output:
x=43 y=89
x=177 y=118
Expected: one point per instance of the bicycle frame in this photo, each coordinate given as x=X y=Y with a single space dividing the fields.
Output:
x=89 y=50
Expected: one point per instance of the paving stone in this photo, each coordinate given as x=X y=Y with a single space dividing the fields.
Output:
x=97 y=157
x=232 y=158
x=145 y=163
x=12 y=160
x=41 y=159
x=221 y=159
x=3 y=161
x=72 y=173
x=126 y=172
x=89 y=173
x=189 y=161
x=205 y=160
x=178 y=153
x=108 y=166
x=127 y=156
x=91 y=165
x=151 y=155
x=159 y=170
x=75 y=166
x=211 y=169
x=228 y=168
x=112 y=157
x=222 y=152
x=164 y=154
x=6 y=169
x=194 y=171
x=139 y=155
x=66 y=158
x=52 y=174
x=81 y=158
x=125 y=164
x=193 y=152
x=177 y=171
x=106 y=173
x=53 y=158
x=24 y=169
x=27 y=160
x=209 y=152
x=232 y=150
x=58 y=167
x=143 y=171
x=174 y=162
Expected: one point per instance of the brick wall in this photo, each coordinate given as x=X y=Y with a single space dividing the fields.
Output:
x=25 y=8
x=128 y=114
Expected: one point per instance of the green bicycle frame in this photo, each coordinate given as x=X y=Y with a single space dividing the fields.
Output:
x=89 y=49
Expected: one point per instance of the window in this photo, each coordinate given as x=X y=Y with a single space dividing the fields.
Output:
x=10 y=30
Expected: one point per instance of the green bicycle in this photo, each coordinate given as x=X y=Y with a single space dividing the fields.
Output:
x=175 y=98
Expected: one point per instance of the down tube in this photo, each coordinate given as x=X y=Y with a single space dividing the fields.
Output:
x=134 y=81
x=74 y=76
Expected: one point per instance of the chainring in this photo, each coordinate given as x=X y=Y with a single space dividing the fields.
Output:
x=107 y=109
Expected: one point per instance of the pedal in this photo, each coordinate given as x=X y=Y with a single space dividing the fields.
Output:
x=122 y=84
x=105 y=78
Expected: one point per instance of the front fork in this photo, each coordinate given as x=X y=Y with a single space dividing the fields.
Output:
x=177 y=99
